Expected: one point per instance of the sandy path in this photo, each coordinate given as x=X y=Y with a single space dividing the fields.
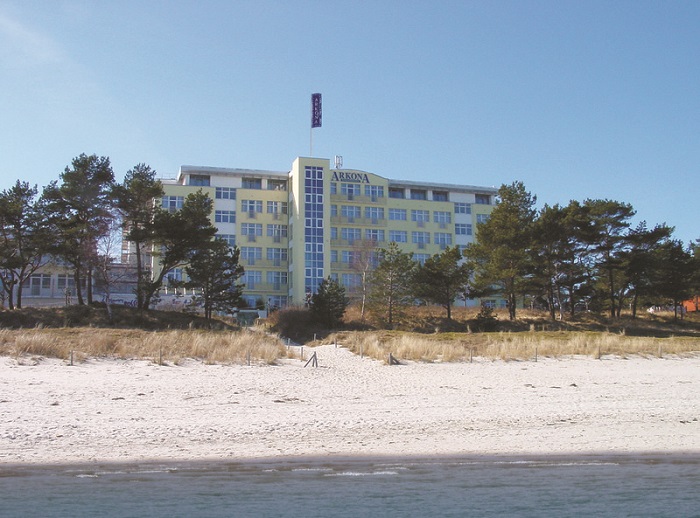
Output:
x=117 y=410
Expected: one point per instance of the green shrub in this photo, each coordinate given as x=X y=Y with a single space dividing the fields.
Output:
x=295 y=323
x=486 y=320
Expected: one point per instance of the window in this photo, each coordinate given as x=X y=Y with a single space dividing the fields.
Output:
x=442 y=217
x=251 y=229
x=334 y=188
x=39 y=284
x=251 y=206
x=172 y=203
x=482 y=199
x=252 y=183
x=277 y=231
x=175 y=276
x=276 y=301
x=200 y=180
x=313 y=228
x=374 y=191
x=374 y=234
x=229 y=238
x=374 y=213
x=277 y=185
x=482 y=218
x=251 y=278
x=420 y=216
x=276 y=207
x=334 y=232
x=444 y=239
x=64 y=281
x=397 y=193
x=350 y=189
x=397 y=214
x=251 y=254
x=440 y=195
x=350 y=256
x=225 y=216
x=277 y=279
x=351 y=280
x=225 y=193
x=350 y=234
x=463 y=229
x=419 y=194
x=420 y=258
x=350 y=212
x=463 y=208
x=249 y=301
x=420 y=238
x=398 y=236
x=334 y=211
x=334 y=256
x=277 y=255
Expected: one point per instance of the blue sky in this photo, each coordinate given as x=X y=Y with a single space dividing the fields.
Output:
x=575 y=99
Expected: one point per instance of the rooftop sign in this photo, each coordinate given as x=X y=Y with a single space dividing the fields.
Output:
x=341 y=176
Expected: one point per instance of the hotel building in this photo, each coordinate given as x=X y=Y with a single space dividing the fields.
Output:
x=295 y=228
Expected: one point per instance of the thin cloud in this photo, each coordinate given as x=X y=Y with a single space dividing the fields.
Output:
x=23 y=45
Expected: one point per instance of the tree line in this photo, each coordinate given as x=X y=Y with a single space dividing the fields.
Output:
x=73 y=221
x=585 y=255
x=582 y=256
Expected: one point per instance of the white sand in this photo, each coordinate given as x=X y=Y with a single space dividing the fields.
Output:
x=112 y=410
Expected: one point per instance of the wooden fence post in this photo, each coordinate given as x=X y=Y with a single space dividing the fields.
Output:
x=313 y=361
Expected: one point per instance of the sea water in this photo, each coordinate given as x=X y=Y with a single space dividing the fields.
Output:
x=601 y=486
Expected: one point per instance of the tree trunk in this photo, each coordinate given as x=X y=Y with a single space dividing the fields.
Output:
x=635 y=299
x=550 y=297
x=561 y=305
x=78 y=289
x=18 y=305
x=10 y=301
x=572 y=302
x=612 y=293
x=139 y=277
x=88 y=285
x=108 y=304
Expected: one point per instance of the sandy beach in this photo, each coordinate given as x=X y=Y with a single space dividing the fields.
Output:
x=130 y=410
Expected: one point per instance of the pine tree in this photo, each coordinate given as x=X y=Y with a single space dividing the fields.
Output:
x=215 y=270
x=442 y=278
x=24 y=239
x=79 y=211
x=391 y=284
x=328 y=304
x=177 y=236
x=135 y=201
x=501 y=255
x=610 y=221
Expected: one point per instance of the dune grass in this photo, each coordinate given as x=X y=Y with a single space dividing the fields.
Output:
x=461 y=347
x=170 y=347
x=529 y=338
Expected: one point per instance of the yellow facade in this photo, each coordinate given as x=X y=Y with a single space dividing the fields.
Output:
x=297 y=227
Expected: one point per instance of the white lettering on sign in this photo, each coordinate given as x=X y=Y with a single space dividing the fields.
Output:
x=342 y=176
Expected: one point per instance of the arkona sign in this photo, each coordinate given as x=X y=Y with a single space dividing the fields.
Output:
x=341 y=176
